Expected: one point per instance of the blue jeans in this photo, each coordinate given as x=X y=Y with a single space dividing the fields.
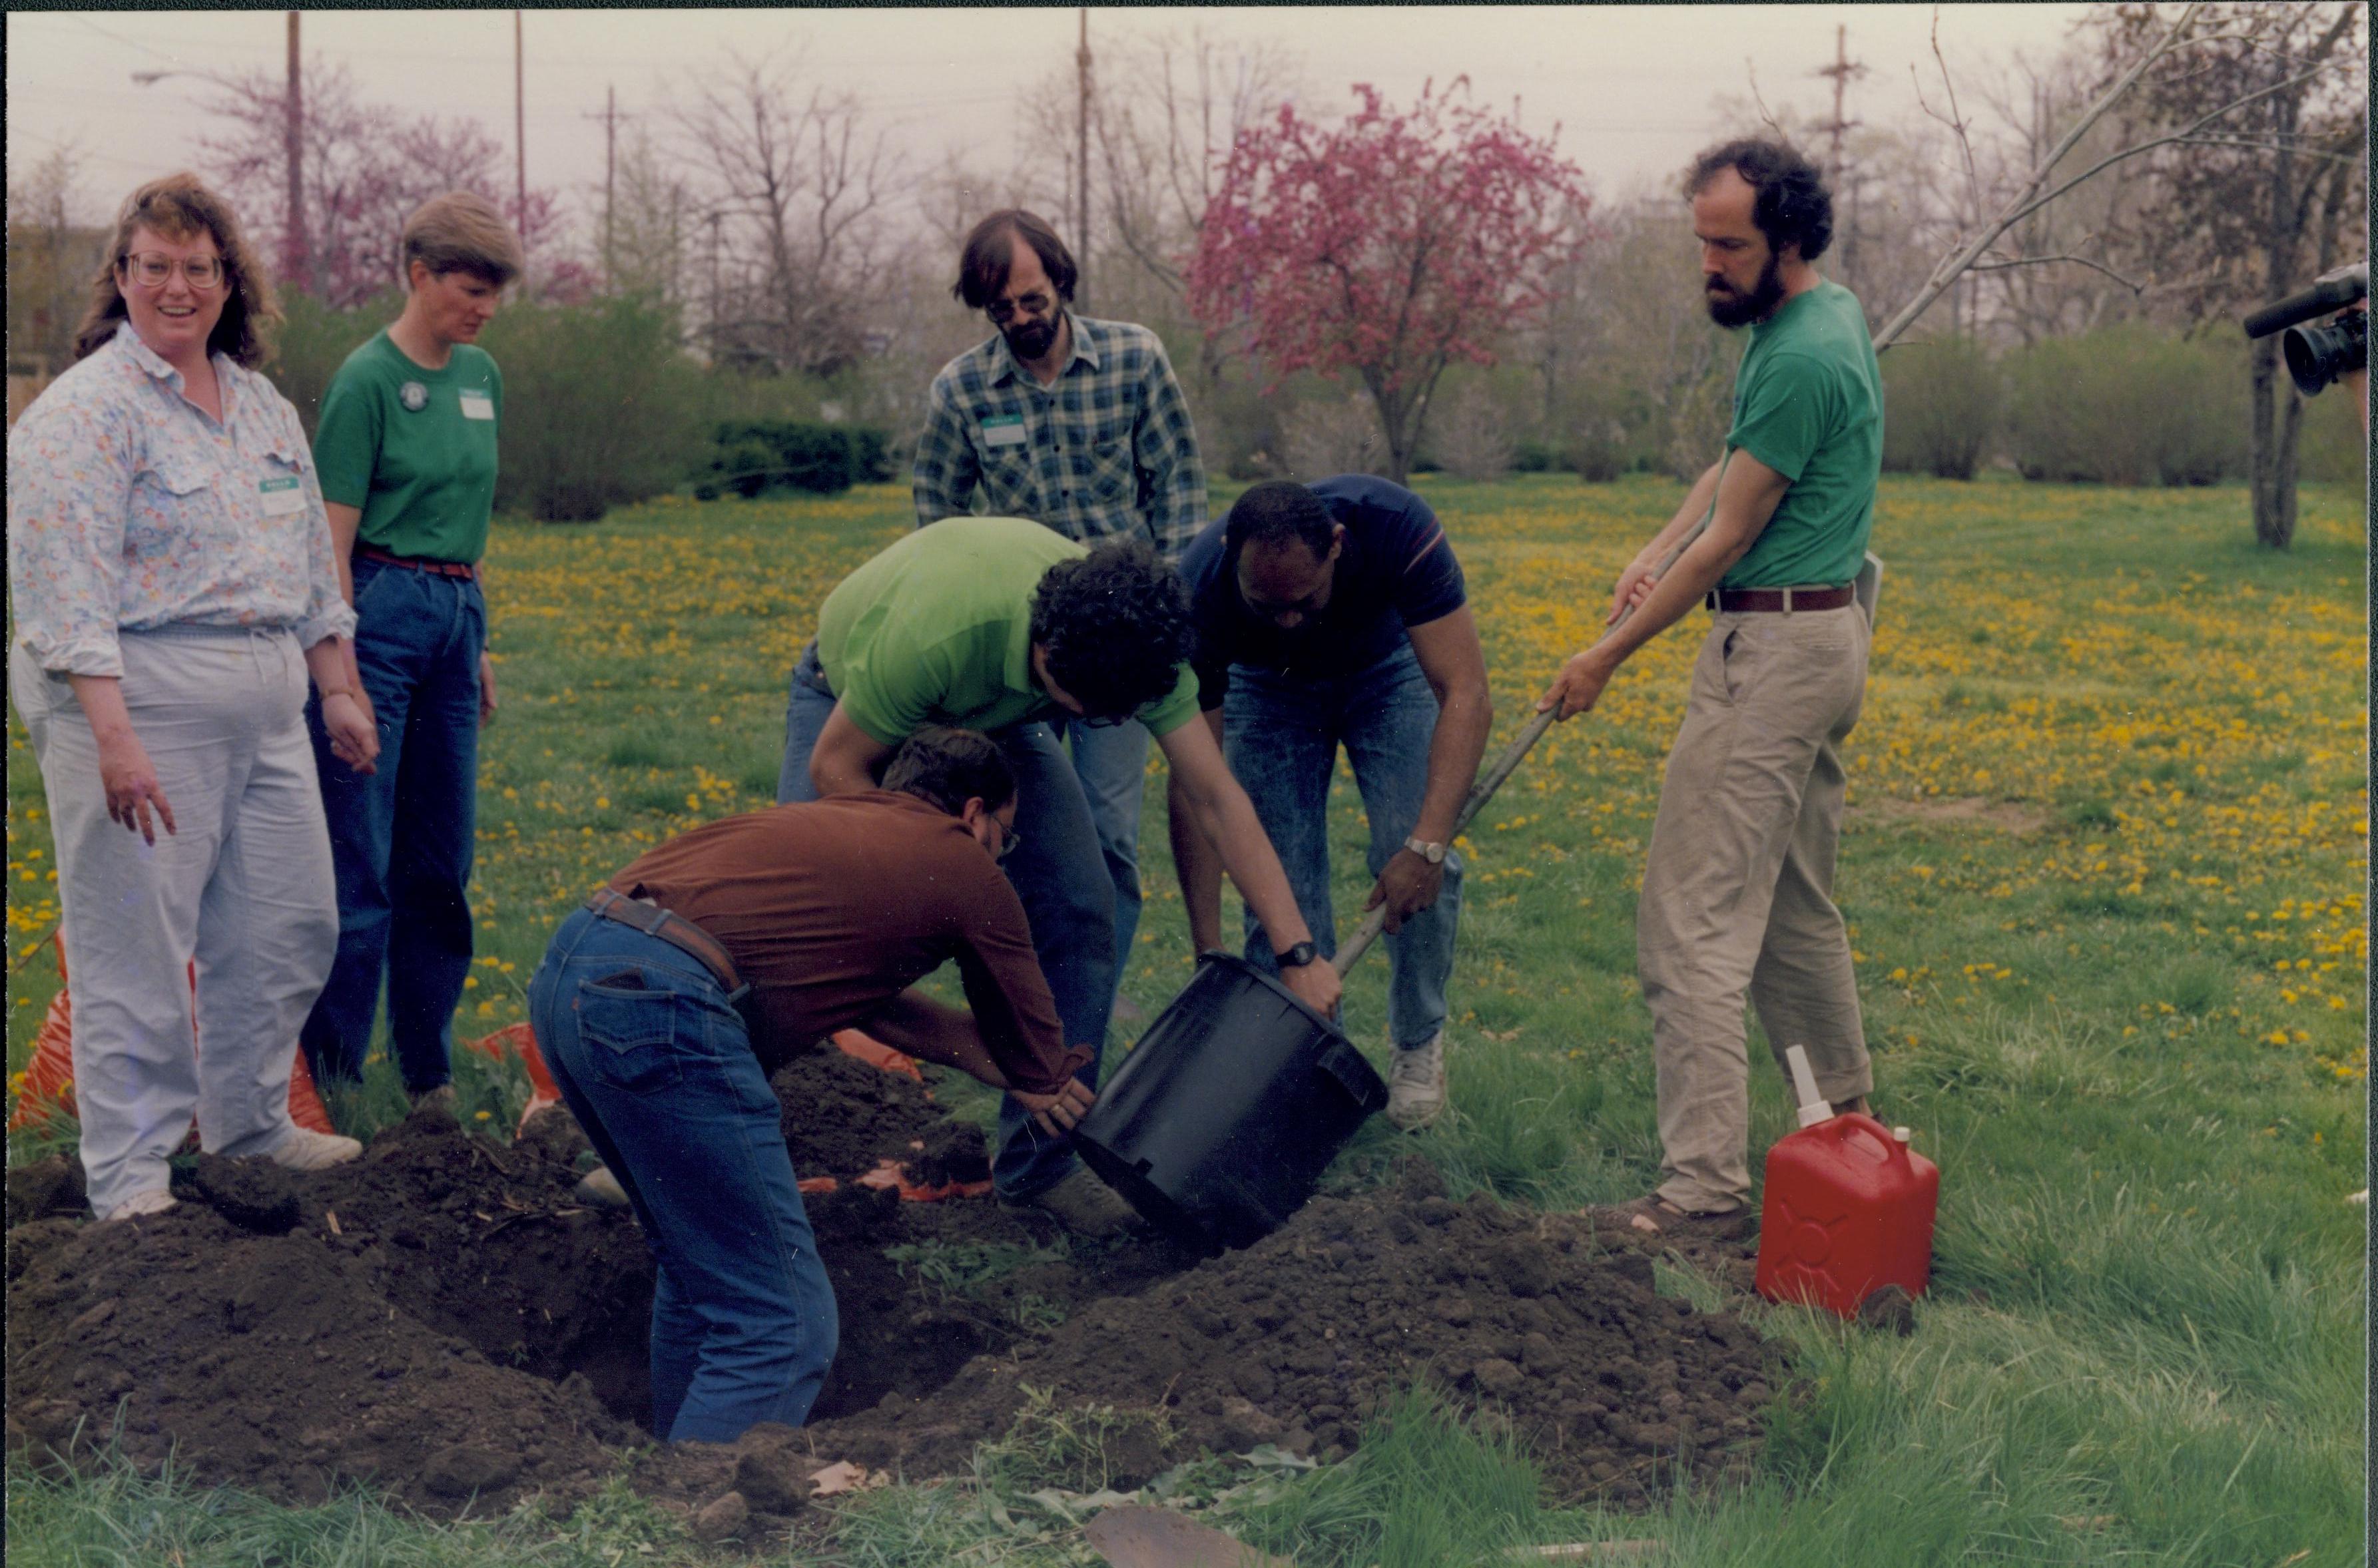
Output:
x=1280 y=737
x=656 y=1063
x=1060 y=876
x=1111 y=761
x=401 y=837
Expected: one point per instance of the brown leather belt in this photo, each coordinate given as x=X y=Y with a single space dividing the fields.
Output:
x=1739 y=601
x=443 y=569
x=674 y=929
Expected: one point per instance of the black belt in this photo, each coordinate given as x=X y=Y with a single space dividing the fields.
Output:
x=674 y=929
x=1738 y=601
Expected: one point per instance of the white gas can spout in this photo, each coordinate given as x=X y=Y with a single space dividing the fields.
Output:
x=1814 y=1107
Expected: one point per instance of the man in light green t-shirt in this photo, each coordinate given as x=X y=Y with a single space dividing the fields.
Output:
x=406 y=450
x=1000 y=625
x=1738 y=885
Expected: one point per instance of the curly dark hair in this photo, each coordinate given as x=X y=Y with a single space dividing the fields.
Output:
x=947 y=767
x=1277 y=511
x=982 y=265
x=179 y=207
x=1792 y=207
x=1114 y=627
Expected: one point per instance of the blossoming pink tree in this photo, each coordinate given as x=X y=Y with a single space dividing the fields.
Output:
x=1390 y=243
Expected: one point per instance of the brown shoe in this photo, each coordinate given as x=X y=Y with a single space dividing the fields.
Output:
x=1085 y=1206
x=1655 y=1217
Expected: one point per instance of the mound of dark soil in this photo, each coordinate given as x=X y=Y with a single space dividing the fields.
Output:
x=444 y=1318
x=1530 y=1318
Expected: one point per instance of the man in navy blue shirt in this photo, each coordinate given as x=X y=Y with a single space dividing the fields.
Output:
x=1327 y=614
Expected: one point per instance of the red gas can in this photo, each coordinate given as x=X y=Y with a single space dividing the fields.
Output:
x=1848 y=1210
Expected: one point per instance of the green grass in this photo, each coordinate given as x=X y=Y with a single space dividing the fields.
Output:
x=2104 y=877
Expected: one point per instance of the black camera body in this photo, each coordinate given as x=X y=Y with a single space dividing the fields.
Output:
x=2318 y=354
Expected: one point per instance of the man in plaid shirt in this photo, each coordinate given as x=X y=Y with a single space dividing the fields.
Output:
x=1078 y=425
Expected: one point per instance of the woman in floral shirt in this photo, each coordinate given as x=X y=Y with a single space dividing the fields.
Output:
x=170 y=563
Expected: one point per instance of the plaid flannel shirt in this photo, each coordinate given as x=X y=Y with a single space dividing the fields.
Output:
x=1109 y=449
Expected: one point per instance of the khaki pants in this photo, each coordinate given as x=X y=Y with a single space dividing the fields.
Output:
x=1738 y=889
x=244 y=888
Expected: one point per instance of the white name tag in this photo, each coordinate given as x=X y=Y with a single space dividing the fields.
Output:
x=478 y=405
x=1004 y=431
x=281 y=496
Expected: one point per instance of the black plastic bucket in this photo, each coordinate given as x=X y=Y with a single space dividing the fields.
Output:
x=1219 y=1122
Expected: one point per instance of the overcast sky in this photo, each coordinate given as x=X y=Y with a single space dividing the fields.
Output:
x=1634 y=87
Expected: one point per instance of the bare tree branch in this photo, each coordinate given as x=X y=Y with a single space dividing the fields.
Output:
x=2042 y=260
x=1954 y=265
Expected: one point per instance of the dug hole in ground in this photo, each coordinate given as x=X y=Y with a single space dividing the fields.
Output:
x=442 y=1320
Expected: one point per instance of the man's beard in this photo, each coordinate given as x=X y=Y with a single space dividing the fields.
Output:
x=1730 y=309
x=1030 y=339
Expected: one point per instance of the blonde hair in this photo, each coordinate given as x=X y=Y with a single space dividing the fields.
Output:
x=181 y=207
x=460 y=232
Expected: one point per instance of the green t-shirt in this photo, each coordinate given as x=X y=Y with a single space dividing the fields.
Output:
x=1808 y=402
x=415 y=449
x=938 y=630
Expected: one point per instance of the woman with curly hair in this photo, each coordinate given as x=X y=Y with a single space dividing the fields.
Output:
x=170 y=562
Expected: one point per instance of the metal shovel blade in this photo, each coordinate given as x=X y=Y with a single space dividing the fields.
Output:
x=1130 y=1536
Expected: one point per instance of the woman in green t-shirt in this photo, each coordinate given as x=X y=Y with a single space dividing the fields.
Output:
x=406 y=449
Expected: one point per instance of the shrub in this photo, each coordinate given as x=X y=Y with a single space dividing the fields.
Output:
x=825 y=459
x=1942 y=406
x=1340 y=436
x=599 y=405
x=314 y=340
x=1531 y=456
x=2127 y=405
x=1469 y=433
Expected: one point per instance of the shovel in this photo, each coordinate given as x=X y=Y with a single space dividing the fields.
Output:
x=1492 y=778
x=1131 y=1535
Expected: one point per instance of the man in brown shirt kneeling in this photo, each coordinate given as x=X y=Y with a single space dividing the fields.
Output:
x=662 y=1006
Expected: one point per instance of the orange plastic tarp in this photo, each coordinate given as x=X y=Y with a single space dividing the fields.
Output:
x=49 y=1077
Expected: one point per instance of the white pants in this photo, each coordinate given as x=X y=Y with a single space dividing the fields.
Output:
x=244 y=887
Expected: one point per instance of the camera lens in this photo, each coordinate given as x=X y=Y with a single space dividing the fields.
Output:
x=2318 y=355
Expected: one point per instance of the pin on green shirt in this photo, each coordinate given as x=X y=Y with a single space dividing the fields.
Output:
x=1808 y=402
x=414 y=449
x=937 y=629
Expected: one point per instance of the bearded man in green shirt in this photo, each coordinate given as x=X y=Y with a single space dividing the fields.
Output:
x=1738 y=885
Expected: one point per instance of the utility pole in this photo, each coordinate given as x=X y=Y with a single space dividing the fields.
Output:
x=716 y=218
x=1841 y=71
x=1082 y=152
x=520 y=129
x=294 y=259
x=610 y=118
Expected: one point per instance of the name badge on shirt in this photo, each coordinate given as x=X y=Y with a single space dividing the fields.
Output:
x=1004 y=430
x=478 y=405
x=281 y=496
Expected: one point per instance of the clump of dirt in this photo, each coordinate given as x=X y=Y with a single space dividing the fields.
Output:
x=1533 y=1319
x=842 y=1114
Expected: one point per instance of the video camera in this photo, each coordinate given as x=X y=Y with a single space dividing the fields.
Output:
x=2319 y=354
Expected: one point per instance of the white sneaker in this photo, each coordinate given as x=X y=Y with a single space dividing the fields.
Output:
x=1416 y=1084
x=155 y=1201
x=301 y=1149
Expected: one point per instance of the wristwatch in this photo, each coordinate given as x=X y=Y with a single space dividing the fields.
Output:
x=1297 y=957
x=1432 y=853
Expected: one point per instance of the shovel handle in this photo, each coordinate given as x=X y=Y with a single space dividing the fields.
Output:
x=1492 y=778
